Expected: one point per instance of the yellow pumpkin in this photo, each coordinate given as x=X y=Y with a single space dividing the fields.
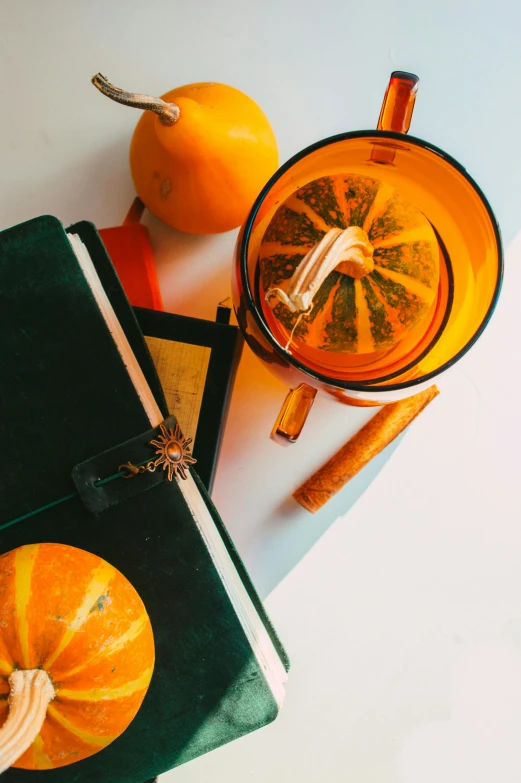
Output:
x=200 y=155
x=76 y=650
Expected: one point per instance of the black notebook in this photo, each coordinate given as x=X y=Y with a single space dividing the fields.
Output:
x=77 y=382
x=196 y=361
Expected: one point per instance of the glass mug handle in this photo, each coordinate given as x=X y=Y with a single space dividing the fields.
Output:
x=396 y=112
x=395 y=115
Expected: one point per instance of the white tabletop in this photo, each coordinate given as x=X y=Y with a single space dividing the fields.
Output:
x=400 y=601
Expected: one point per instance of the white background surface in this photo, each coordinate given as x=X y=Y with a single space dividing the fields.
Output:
x=400 y=602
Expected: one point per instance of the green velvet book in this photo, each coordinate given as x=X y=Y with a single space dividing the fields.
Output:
x=77 y=382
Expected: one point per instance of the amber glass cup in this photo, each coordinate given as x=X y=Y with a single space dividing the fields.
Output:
x=471 y=265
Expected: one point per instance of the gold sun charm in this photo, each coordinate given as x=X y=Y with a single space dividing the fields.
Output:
x=174 y=452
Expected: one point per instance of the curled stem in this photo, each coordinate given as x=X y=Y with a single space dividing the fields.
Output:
x=347 y=250
x=168 y=112
x=30 y=692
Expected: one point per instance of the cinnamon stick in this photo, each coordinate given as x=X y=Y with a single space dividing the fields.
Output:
x=379 y=431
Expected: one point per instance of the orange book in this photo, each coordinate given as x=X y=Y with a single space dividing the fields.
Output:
x=130 y=251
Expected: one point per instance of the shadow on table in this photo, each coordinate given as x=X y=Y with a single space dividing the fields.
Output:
x=256 y=477
x=194 y=270
x=289 y=537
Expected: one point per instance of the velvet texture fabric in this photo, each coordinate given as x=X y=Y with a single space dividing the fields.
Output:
x=65 y=396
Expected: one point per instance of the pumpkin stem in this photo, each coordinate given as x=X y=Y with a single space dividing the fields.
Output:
x=347 y=250
x=168 y=112
x=30 y=692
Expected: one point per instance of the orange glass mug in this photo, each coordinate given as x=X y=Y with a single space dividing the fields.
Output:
x=470 y=254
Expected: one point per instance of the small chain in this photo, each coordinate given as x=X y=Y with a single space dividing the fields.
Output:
x=133 y=470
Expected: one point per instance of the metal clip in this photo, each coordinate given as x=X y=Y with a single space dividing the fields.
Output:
x=133 y=470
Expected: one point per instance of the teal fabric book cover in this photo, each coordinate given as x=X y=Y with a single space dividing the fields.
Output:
x=68 y=394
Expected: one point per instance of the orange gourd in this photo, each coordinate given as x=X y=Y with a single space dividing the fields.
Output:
x=200 y=155
x=76 y=644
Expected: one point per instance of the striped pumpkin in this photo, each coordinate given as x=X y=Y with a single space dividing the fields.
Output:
x=72 y=614
x=353 y=315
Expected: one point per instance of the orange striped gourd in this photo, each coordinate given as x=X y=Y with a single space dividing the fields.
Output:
x=74 y=616
x=352 y=313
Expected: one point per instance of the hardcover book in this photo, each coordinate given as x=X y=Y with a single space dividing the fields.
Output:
x=79 y=397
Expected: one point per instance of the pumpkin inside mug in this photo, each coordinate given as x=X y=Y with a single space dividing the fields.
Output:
x=470 y=265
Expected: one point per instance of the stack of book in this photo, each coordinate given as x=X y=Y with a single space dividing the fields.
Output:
x=80 y=395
